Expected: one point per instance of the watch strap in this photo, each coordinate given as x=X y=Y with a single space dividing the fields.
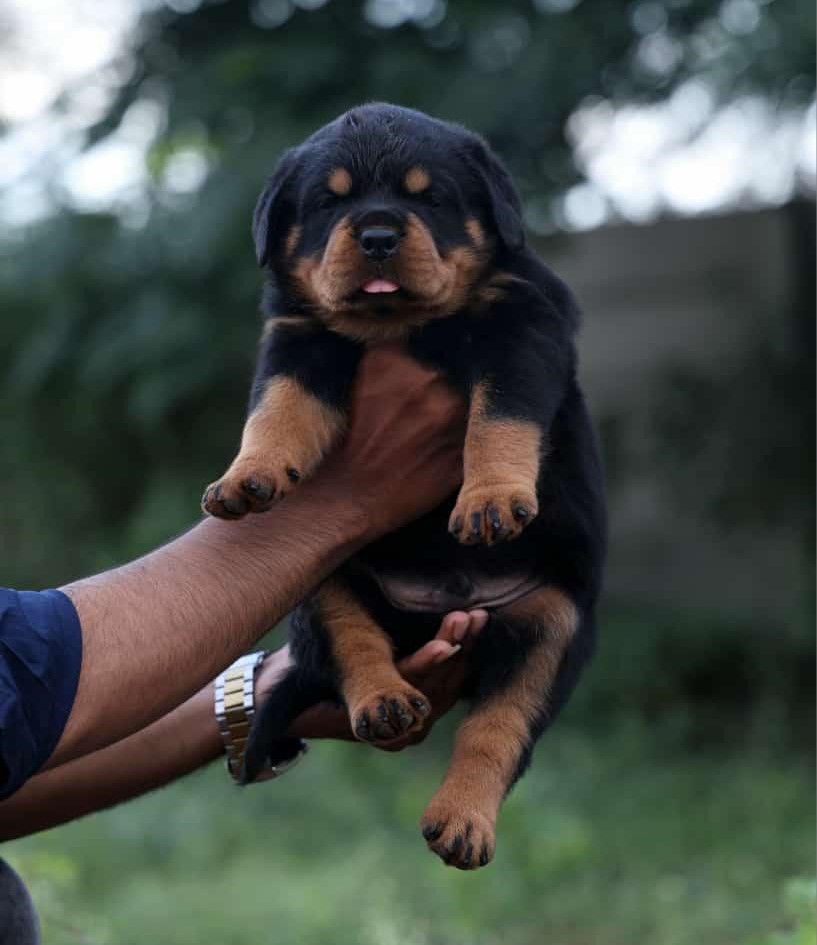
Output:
x=235 y=709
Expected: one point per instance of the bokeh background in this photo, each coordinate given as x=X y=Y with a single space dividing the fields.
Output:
x=665 y=152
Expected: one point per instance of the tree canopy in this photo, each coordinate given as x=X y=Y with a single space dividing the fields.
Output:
x=126 y=341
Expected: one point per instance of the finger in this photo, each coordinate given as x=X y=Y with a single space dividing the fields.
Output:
x=479 y=620
x=454 y=626
x=432 y=654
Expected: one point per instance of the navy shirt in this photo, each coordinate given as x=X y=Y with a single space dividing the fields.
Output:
x=40 y=657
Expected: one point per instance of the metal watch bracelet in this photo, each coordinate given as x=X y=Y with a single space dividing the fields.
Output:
x=235 y=708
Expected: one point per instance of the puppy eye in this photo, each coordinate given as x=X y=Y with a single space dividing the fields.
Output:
x=327 y=199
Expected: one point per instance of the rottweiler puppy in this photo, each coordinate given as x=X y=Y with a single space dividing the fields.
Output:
x=388 y=224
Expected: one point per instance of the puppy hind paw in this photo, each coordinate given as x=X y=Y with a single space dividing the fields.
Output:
x=389 y=715
x=460 y=838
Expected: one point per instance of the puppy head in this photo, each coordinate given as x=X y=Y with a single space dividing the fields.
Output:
x=386 y=218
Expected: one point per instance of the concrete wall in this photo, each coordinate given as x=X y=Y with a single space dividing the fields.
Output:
x=693 y=293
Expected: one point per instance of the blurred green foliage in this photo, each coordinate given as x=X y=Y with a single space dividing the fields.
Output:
x=615 y=837
x=52 y=880
x=799 y=901
x=676 y=798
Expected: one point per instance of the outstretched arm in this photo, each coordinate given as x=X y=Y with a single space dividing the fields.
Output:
x=188 y=737
x=155 y=631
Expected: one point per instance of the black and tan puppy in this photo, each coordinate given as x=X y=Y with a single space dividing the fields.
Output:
x=389 y=224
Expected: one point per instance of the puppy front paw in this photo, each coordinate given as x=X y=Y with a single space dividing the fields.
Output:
x=460 y=836
x=250 y=486
x=490 y=514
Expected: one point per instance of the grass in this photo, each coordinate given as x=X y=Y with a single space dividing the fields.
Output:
x=619 y=835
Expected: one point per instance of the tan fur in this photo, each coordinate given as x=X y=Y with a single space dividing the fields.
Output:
x=495 y=289
x=441 y=284
x=474 y=230
x=284 y=439
x=292 y=239
x=500 y=468
x=339 y=181
x=290 y=420
x=417 y=180
x=281 y=321
x=443 y=281
x=326 y=282
x=489 y=295
x=490 y=742
x=364 y=656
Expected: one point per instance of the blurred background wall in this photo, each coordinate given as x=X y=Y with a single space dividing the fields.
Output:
x=665 y=153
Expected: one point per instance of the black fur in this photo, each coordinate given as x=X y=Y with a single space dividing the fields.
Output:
x=523 y=345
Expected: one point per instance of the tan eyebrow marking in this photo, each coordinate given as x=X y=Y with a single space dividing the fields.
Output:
x=417 y=180
x=340 y=181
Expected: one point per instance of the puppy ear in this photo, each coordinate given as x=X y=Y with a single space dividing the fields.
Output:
x=503 y=198
x=274 y=207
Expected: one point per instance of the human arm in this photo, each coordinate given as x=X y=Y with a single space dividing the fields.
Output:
x=188 y=737
x=158 y=629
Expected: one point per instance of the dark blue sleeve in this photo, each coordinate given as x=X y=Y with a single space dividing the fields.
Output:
x=40 y=657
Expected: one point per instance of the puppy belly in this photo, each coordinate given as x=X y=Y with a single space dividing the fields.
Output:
x=460 y=589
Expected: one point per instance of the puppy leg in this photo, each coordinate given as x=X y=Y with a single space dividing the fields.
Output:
x=521 y=362
x=382 y=705
x=296 y=416
x=285 y=438
x=493 y=744
x=500 y=469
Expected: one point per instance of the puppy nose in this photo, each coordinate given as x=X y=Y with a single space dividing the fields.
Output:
x=379 y=242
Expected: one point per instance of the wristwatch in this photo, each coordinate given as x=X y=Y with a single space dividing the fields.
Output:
x=235 y=708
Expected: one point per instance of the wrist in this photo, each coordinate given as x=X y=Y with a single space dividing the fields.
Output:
x=344 y=512
x=236 y=704
x=270 y=672
x=319 y=721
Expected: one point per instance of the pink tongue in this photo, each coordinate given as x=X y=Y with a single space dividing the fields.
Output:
x=381 y=285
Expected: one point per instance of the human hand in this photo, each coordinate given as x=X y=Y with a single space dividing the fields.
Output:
x=438 y=669
x=402 y=454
